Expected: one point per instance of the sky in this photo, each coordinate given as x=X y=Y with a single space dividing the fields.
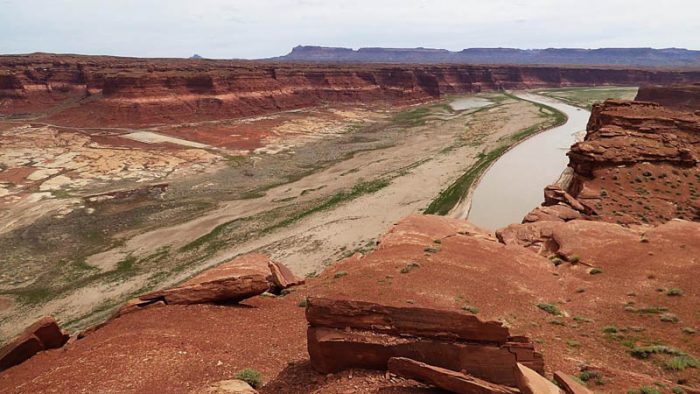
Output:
x=265 y=28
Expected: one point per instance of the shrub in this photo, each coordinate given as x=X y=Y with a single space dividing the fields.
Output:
x=339 y=274
x=677 y=390
x=645 y=351
x=250 y=376
x=304 y=302
x=669 y=318
x=680 y=363
x=573 y=344
x=430 y=249
x=590 y=375
x=549 y=308
x=674 y=292
x=610 y=329
x=574 y=259
x=595 y=271
x=688 y=330
x=471 y=309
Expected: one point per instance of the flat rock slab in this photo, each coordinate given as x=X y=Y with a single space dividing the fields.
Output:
x=569 y=384
x=531 y=382
x=424 y=322
x=332 y=350
x=243 y=277
x=446 y=379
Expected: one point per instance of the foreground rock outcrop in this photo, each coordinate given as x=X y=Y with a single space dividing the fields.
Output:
x=45 y=334
x=352 y=334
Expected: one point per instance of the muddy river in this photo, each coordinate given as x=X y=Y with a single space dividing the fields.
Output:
x=514 y=184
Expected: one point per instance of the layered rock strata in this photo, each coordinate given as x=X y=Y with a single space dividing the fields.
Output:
x=109 y=91
x=353 y=334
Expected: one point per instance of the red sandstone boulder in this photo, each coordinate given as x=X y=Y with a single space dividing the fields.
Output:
x=557 y=213
x=43 y=335
x=452 y=381
x=353 y=334
x=283 y=277
x=530 y=382
x=554 y=194
x=243 y=277
x=424 y=322
x=570 y=385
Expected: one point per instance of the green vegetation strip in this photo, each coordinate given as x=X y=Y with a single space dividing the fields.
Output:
x=358 y=190
x=450 y=197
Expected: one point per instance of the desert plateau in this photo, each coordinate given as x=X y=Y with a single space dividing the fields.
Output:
x=337 y=220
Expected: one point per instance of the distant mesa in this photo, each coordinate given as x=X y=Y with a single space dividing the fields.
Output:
x=196 y=56
x=648 y=57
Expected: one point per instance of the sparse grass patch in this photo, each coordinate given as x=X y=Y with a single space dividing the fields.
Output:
x=688 y=330
x=339 y=274
x=431 y=249
x=680 y=363
x=610 y=330
x=304 y=302
x=573 y=344
x=412 y=117
x=669 y=318
x=549 y=308
x=250 y=376
x=674 y=292
x=471 y=309
x=644 y=352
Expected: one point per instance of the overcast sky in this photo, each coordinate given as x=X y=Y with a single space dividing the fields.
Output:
x=265 y=28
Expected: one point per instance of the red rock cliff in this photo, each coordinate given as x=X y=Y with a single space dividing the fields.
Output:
x=128 y=91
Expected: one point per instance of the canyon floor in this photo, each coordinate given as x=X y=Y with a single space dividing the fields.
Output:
x=97 y=215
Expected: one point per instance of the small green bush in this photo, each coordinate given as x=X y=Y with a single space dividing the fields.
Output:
x=471 y=309
x=644 y=352
x=610 y=329
x=688 y=330
x=304 y=302
x=339 y=274
x=549 y=308
x=674 y=292
x=250 y=376
x=680 y=363
x=595 y=271
x=669 y=318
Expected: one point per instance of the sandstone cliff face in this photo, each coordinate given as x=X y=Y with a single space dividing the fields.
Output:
x=678 y=97
x=124 y=91
x=638 y=164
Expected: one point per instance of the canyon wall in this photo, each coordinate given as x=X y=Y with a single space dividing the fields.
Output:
x=678 y=97
x=110 y=91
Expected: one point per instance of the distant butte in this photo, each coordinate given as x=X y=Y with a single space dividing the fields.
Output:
x=648 y=57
